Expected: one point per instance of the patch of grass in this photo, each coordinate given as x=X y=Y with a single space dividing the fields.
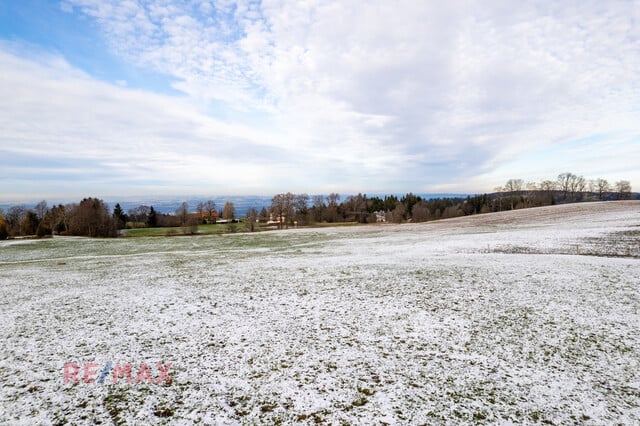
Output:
x=359 y=402
x=163 y=412
x=116 y=403
x=366 y=391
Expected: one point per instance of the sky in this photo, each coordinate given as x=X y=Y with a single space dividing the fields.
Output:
x=143 y=97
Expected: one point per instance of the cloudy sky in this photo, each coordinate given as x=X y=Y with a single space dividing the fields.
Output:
x=141 y=97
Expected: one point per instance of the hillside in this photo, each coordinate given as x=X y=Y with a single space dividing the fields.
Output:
x=525 y=316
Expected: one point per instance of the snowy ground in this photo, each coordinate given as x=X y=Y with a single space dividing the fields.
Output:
x=521 y=317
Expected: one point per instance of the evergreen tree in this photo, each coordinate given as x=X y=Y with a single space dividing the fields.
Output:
x=264 y=215
x=152 y=218
x=120 y=216
x=29 y=224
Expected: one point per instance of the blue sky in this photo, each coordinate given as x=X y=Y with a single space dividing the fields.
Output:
x=125 y=98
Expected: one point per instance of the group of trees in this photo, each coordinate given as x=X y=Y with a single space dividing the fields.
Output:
x=300 y=209
x=288 y=209
x=91 y=216
x=567 y=188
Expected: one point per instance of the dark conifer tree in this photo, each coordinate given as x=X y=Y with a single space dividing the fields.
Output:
x=152 y=218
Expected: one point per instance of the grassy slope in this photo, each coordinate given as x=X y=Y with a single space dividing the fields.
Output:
x=479 y=319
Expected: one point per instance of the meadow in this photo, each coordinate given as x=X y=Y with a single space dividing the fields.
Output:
x=527 y=316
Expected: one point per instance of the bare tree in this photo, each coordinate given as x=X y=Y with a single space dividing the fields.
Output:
x=531 y=198
x=200 y=208
x=14 y=217
x=331 y=211
x=514 y=185
x=547 y=187
x=278 y=209
x=514 y=188
x=251 y=219
x=182 y=213
x=283 y=208
x=420 y=212
x=499 y=195
x=210 y=207
x=578 y=186
x=301 y=208
x=41 y=209
x=139 y=215
x=318 y=207
x=356 y=208
x=623 y=188
x=229 y=211
x=564 y=183
x=397 y=214
x=602 y=187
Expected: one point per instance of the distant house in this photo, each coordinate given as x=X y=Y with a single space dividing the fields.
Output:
x=204 y=217
x=275 y=220
x=380 y=216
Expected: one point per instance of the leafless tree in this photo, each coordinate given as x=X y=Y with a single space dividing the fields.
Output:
x=602 y=187
x=514 y=185
x=229 y=211
x=277 y=209
x=251 y=219
x=564 y=183
x=13 y=217
x=547 y=187
x=397 y=214
x=210 y=207
x=420 y=212
x=318 y=207
x=282 y=208
x=318 y=201
x=139 y=215
x=182 y=213
x=623 y=188
x=200 y=208
x=514 y=188
x=41 y=209
x=499 y=195
x=578 y=186
x=301 y=208
x=331 y=211
x=531 y=197
x=452 y=211
x=356 y=208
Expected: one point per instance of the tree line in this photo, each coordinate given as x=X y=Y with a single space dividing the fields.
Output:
x=91 y=217
x=288 y=209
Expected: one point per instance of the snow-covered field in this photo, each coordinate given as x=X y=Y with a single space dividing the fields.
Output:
x=520 y=317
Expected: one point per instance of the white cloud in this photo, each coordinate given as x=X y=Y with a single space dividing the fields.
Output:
x=367 y=96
